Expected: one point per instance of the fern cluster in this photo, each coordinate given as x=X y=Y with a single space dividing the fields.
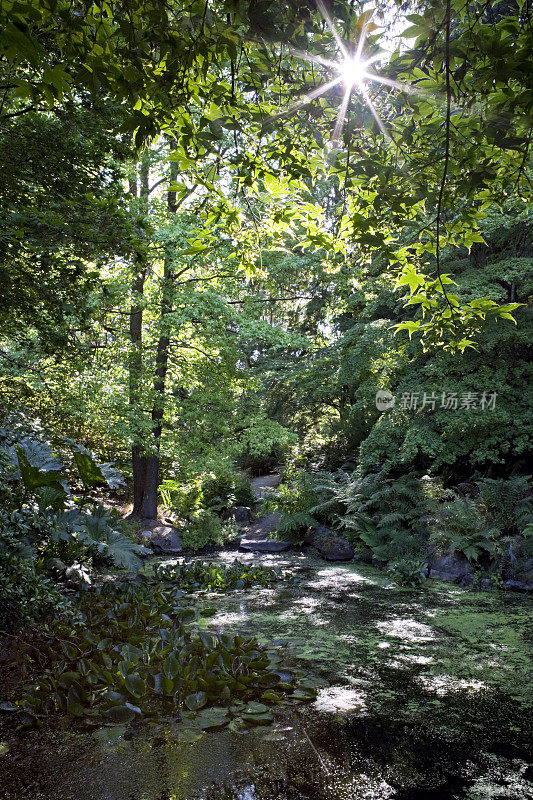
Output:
x=409 y=517
x=293 y=501
x=385 y=516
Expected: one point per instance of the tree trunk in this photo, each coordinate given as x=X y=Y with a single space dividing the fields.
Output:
x=136 y=356
x=146 y=467
x=149 y=503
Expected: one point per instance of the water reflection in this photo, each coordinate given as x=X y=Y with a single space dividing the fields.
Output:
x=410 y=707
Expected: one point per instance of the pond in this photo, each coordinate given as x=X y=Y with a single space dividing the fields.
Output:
x=424 y=694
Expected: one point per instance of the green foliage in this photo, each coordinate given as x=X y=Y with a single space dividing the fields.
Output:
x=193 y=576
x=205 y=528
x=54 y=240
x=45 y=528
x=207 y=492
x=105 y=538
x=388 y=516
x=267 y=297
x=93 y=474
x=462 y=526
x=408 y=572
x=26 y=592
x=200 y=502
x=135 y=648
x=508 y=503
x=403 y=520
x=488 y=528
x=293 y=499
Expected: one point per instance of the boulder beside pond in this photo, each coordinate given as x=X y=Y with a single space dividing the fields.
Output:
x=451 y=567
x=241 y=515
x=165 y=539
x=334 y=548
x=316 y=535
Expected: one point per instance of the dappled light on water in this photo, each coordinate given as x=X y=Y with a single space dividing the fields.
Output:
x=393 y=671
x=407 y=629
x=335 y=699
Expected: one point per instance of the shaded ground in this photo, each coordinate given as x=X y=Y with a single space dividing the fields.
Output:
x=261 y=528
x=425 y=695
x=264 y=484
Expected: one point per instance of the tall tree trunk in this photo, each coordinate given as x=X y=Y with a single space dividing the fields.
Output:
x=136 y=355
x=151 y=483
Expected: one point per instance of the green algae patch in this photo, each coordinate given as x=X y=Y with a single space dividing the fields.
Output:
x=493 y=646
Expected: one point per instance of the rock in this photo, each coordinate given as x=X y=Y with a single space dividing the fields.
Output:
x=333 y=548
x=316 y=535
x=238 y=514
x=525 y=573
x=453 y=568
x=77 y=575
x=165 y=539
x=518 y=586
x=264 y=545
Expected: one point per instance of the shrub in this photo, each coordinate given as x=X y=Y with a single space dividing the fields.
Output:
x=462 y=526
x=387 y=517
x=205 y=528
x=408 y=572
x=25 y=593
x=507 y=503
x=50 y=522
x=293 y=499
x=207 y=491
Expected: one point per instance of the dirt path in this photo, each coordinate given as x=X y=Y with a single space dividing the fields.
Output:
x=264 y=484
x=257 y=533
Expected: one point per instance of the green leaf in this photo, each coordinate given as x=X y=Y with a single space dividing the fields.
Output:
x=89 y=470
x=34 y=476
x=135 y=685
x=208 y=612
x=196 y=701
x=120 y=714
x=212 y=718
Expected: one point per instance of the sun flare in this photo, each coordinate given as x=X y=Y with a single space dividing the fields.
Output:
x=351 y=72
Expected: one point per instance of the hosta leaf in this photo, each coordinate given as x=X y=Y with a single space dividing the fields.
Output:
x=135 y=685
x=196 y=701
x=212 y=718
x=120 y=714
